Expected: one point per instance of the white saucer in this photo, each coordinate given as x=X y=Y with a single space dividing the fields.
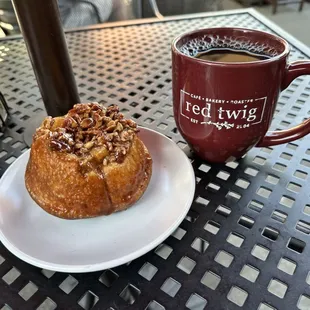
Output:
x=104 y=242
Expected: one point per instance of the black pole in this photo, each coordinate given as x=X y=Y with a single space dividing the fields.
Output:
x=42 y=30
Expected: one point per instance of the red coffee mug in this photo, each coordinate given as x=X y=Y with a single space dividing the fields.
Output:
x=224 y=109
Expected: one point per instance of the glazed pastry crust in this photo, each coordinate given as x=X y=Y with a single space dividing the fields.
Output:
x=60 y=185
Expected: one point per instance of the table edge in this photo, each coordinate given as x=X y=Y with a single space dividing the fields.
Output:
x=143 y=21
x=280 y=31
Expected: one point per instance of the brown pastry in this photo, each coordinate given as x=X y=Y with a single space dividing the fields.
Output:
x=87 y=163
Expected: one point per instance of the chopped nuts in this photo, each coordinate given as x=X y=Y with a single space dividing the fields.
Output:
x=87 y=122
x=91 y=131
x=60 y=146
x=47 y=122
x=57 y=122
x=89 y=144
x=100 y=153
x=56 y=145
x=111 y=126
x=109 y=146
x=119 y=127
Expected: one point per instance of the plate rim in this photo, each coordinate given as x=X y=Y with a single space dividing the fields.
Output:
x=115 y=262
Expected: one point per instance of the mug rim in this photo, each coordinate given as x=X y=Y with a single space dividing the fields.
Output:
x=283 y=54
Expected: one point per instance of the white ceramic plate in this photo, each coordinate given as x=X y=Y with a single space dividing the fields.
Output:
x=103 y=242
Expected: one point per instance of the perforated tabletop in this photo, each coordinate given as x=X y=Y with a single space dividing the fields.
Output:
x=243 y=244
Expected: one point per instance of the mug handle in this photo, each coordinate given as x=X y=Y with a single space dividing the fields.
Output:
x=293 y=71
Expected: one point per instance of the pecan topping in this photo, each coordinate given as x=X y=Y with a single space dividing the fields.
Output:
x=92 y=132
x=87 y=123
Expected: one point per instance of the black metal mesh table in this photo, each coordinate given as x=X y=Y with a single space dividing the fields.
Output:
x=243 y=244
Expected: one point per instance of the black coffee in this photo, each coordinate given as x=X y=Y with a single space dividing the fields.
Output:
x=230 y=55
